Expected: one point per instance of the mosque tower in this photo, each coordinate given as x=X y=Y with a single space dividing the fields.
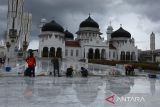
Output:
x=42 y=23
x=109 y=32
x=152 y=42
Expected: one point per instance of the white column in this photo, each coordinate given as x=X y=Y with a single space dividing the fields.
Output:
x=86 y=53
x=100 y=52
x=119 y=55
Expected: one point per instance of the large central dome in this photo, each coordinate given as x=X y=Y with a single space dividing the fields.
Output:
x=121 y=33
x=52 y=26
x=89 y=22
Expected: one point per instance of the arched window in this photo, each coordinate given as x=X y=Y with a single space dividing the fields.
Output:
x=59 y=52
x=45 y=52
x=128 y=56
x=97 y=54
x=52 y=52
x=90 y=53
x=71 y=52
x=122 y=55
x=77 y=52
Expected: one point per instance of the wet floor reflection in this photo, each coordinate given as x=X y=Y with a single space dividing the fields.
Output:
x=120 y=86
x=152 y=86
x=87 y=90
x=69 y=92
x=29 y=89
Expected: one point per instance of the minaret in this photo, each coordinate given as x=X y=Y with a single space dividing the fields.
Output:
x=109 y=32
x=43 y=21
x=152 y=42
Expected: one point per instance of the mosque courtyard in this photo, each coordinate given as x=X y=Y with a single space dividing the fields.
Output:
x=94 y=91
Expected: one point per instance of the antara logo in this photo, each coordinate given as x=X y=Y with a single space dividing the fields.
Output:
x=112 y=99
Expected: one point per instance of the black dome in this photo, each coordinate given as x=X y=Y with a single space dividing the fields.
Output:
x=52 y=26
x=89 y=22
x=121 y=33
x=68 y=35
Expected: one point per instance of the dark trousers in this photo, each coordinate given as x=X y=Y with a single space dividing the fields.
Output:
x=56 y=69
x=32 y=71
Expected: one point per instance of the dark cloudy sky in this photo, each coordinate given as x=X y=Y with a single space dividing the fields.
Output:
x=139 y=17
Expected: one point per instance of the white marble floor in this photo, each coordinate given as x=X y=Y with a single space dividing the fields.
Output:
x=77 y=92
x=47 y=91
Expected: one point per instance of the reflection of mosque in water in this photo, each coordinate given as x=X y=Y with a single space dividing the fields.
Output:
x=120 y=86
x=87 y=90
x=152 y=86
x=54 y=89
x=49 y=90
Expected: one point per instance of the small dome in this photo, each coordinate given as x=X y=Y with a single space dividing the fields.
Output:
x=110 y=28
x=89 y=22
x=121 y=33
x=43 y=20
x=152 y=34
x=52 y=26
x=68 y=35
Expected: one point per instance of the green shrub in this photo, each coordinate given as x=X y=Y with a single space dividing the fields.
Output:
x=143 y=65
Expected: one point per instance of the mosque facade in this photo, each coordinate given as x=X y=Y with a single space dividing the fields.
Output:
x=88 y=44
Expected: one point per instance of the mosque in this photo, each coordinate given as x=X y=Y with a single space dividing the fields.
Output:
x=88 y=44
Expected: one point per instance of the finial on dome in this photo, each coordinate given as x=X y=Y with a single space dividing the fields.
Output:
x=110 y=23
x=120 y=25
x=53 y=18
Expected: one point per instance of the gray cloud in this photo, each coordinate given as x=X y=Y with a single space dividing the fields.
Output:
x=69 y=13
x=147 y=8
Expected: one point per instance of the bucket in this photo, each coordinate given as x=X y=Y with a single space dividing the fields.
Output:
x=8 y=69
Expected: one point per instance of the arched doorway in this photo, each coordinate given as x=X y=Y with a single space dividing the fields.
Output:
x=133 y=56
x=59 y=52
x=122 y=55
x=128 y=56
x=103 y=54
x=97 y=54
x=90 y=54
x=45 y=52
x=52 y=52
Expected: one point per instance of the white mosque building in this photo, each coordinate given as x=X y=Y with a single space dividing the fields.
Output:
x=54 y=41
